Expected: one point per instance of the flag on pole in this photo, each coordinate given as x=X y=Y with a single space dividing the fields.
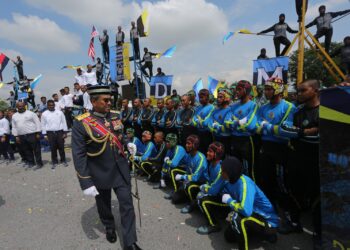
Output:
x=143 y=24
x=197 y=87
x=3 y=62
x=214 y=85
x=168 y=53
x=227 y=36
x=72 y=67
x=91 y=51
x=245 y=31
x=36 y=81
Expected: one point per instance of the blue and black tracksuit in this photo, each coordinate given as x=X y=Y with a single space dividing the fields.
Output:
x=209 y=199
x=201 y=115
x=149 y=151
x=242 y=144
x=273 y=154
x=252 y=212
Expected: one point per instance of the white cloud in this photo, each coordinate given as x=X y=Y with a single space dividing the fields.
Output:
x=331 y=5
x=39 y=34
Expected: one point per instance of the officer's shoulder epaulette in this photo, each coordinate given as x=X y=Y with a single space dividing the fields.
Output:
x=82 y=116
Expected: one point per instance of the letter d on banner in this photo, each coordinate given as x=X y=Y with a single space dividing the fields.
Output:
x=161 y=90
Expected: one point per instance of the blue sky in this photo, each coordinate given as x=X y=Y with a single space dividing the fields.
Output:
x=50 y=34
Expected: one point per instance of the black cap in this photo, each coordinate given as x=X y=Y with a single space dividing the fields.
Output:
x=233 y=167
x=99 y=90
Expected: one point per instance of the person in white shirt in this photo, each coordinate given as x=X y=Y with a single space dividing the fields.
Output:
x=90 y=76
x=119 y=39
x=27 y=130
x=134 y=37
x=86 y=99
x=67 y=103
x=79 y=78
x=77 y=89
x=4 y=136
x=57 y=102
x=54 y=128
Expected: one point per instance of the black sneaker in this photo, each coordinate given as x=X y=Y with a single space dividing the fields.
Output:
x=111 y=236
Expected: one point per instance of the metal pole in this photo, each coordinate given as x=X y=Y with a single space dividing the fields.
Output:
x=300 y=71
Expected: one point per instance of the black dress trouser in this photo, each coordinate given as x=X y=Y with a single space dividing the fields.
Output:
x=56 y=142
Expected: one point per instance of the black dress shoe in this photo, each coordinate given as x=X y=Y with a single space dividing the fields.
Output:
x=111 y=236
x=132 y=247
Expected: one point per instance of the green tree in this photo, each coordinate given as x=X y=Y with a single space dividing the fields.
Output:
x=3 y=105
x=313 y=67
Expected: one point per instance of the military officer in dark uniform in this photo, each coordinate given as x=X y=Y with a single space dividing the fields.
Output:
x=147 y=115
x=101 y=165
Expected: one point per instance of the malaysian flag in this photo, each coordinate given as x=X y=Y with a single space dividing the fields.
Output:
x=91 y=51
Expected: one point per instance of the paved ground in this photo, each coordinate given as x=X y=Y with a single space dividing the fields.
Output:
x=46 y=209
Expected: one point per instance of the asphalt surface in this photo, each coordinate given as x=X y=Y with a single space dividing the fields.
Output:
x=45 y=209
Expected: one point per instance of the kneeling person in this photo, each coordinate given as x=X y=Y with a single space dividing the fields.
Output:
x=150 y=150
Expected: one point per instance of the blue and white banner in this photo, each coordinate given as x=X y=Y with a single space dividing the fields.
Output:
x=264 y=69
x=160 y=86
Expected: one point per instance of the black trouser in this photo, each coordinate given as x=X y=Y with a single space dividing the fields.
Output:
x=149 y=66
x=20 y=73
x=4 y=146
x=241 y=229
x=272 y=174
x=327 y=33
x=126 y=210
x=136 y=45
x=30 y=146
x=185 y=192
x=152 y=169
x=345 y=66
x=304 y=181
x=68 y=115
x=99 y=76
x=105 y=51
x=206 y=138
x=226 y=141
x=242 y=147
x=56 y=142
x=209 y=205
x=278 y=41
x=138 y=130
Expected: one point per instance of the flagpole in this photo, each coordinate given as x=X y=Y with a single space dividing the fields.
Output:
x=136 y=80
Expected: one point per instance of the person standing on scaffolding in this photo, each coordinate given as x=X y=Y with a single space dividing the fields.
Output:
x=147 y=59
x=104 y=43
x=19 y=66
x=324 y=25
x=119 y=39
x=134 y=37
x=280 y=29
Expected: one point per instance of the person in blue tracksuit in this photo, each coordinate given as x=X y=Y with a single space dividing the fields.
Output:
x=209 y=198
x=216 y=120
x=252 y=212
x=175 y=161
x=169 y=118
x=184 y=119
x=201 y=114
x=140 y=147
x=241 y=122
x=272 y=171
x=194 y=177
x=158 y=116
x=149 y=151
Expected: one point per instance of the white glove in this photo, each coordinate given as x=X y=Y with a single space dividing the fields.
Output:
x=203 y=187
x=162 y=183
x=132 y=148
x=166 y=159
x=243 y=121
x=178 y=177
x=225 y=198
x=91 y=191
x=263 y=123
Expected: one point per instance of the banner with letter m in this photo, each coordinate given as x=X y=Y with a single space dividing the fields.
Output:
x=264 y=69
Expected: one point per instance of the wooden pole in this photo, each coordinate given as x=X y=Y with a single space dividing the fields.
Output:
x=300 y=71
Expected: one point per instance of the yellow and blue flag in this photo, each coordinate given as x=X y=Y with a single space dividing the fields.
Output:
x=143 y=24
x=72 y=67
x=168 y=53
x=197 y=87
x=227 y=36
x=214 y=85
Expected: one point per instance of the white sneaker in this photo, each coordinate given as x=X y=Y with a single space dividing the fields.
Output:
x=162 y=183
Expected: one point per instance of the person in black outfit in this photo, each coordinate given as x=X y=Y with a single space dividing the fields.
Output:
x=147 y=115
x=184 y=120
x=102 y=166
x=147 y=59
x=126 y=114
x=303 y=155
x=280 y=29
x=169 y=118
x=135 y=117
x=262 y=54
x=105 y=48
x=19 y=66
x=324 y=25
x=344 y=52
x=160 y=72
